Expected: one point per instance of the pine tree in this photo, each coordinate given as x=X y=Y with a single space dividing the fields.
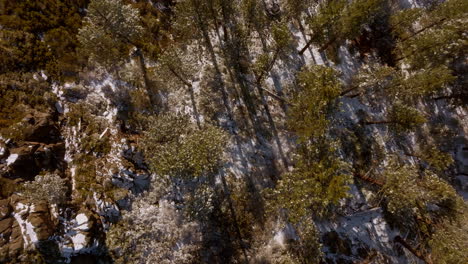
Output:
x=175 y=148
x=338 y=20
x=401 y=118
x=437 y=38
x=111 y=29
x=319 y=178
x=49 y=187
x=319 y=89
x=423 y=205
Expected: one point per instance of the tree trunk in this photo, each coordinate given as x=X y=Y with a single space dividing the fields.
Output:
x=424 y=29
x=192 y=94
x=154 y=96
x=326 y=45
x=378 y=122
x=306 y=47
x=343 y=93
x=427 y=259
x=368 y=179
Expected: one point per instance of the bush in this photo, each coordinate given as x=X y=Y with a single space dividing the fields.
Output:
x=49 y=187
x=174 y=146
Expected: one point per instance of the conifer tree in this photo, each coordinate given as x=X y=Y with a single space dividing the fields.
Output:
x=319 y=88
x=338 y=20
x=111 y=30
x=319 y=178
x=423 y=205
x=175 y=148
x=401 y=118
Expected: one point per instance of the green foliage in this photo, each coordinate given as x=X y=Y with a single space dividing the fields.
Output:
x=318 y=181
x=436 y=159
x=402 y=20
x=20 y=93
x=109 y=28
x=49 y=187
x=40 y=35
x=449 y=243
x=253 y=13
x=424 y=82
x=358 y=14
x=311 y=106
x=295 y=8
x=262 y=64
x=174 y=147
x=338 y=20
x=281 y=35
x=438 y=37
x=307 y=249
x=95 y=144
x=417 y=202
x=408 y=86
x=404 y=118
x=325 y=25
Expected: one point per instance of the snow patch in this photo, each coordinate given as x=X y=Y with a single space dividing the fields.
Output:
x=82 y=222
x=11 y=159
x=27 y=229
x=79 y=241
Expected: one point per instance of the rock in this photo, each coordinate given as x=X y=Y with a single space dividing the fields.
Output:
x=3 y=150
x=40 y=219
x=5 y=208
x=16 y=240
x=41 y=128
x=337 y=244
x=29 y=158
x=5 y=227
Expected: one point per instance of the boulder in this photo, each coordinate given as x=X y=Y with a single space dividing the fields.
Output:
x=5 y=208
x=5 y=227
x=40 y=219
x=29 y=158
x=3 y=150
x=41 y=128
x=15 y=246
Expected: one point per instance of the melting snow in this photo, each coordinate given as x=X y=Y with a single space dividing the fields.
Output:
x=82 y=222
x=27 y=229
x=11 y=159
x=79 y=241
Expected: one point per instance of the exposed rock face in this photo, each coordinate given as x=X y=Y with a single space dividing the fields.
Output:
x=39 y=149
x=5 y=208
x=11 y=242
x=25 y=226
x=42 y=128
x=3 y=150
x=27 y=159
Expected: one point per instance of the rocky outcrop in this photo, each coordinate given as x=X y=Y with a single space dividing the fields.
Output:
x=27 y=159
x=38 y=148
x=25 y=227
x=42 y=127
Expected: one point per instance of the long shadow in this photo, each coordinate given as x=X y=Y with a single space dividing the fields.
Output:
x=233 y=128
x=231 y=52
x=304 y=36
x=267 y=109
